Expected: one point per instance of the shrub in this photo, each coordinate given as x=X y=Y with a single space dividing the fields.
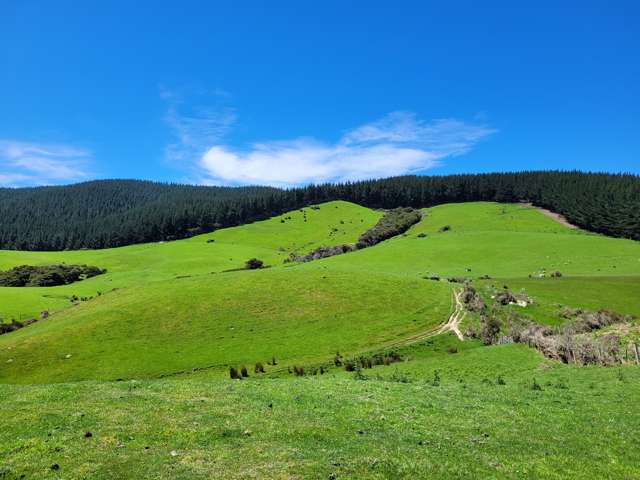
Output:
x=398 y=377
x=253 y=264
x=323 y=252
x=358 y=375
x=421 y=235
x=47 y=275
x=233 y=373
x=337 y=360
x=489 y=329
x=505 y=298
x=472 y=300
x=259 y=368
x=244 y=372
x=445 y=228
x=298 y=371
x=350 y=366
x=10 y=327
x=452 y=350
x=457 y=280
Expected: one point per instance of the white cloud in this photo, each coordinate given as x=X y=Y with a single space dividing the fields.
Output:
x=24 y=163
x=397 y=144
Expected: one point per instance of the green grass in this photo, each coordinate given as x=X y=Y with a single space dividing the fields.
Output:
x=550 y=295
x=491 y=248
x=220 y=320
x=270 y=240
x=174 y=319
x=582 y=424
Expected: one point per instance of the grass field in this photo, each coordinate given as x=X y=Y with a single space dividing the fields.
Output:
x=172 y=317
x=582 y=423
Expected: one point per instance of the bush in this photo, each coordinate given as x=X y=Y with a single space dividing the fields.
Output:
x=47 y=276
x=445 y=228
x=259 y=368
x=452 y=350
x=253 y=264
x=337 y=360
x=244 y=372
x=233 y=373
x=421 y=235
x=298 y=371
x=489 y=329
x=358 y=375
x=472 y=300
x=323 y=252
x=10 y=327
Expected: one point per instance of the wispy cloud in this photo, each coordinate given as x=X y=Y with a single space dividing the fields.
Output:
x=397 y=144
x=195 y=128
x=24 y=163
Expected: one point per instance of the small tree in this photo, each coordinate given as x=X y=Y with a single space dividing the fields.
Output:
x=253 y=264
x=244 y=372
x=233 y=373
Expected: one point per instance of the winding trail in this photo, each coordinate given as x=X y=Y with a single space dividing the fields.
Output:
x=452 y=325
x=459 y=312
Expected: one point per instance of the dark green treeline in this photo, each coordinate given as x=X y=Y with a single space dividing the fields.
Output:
x=109 y=213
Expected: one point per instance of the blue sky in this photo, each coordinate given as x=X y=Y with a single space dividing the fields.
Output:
x=288 y=93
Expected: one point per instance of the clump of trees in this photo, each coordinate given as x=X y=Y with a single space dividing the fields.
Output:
x=573 y=342
x=322 y=252
x=353 y=364
x=47 y=275
x=393 y=222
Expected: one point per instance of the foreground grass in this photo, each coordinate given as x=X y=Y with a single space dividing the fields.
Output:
x=398 y=423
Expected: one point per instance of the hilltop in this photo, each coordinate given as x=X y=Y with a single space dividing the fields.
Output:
x=113 y=213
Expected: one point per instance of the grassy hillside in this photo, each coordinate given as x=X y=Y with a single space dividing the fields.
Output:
x=175 y=308
x=172 y=317
x=299 y=315
x=270 y=240
x=482 y=240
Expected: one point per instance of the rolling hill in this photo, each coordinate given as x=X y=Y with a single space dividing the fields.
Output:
x=143 y=362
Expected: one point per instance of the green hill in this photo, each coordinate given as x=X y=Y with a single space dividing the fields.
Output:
x=171 y=318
